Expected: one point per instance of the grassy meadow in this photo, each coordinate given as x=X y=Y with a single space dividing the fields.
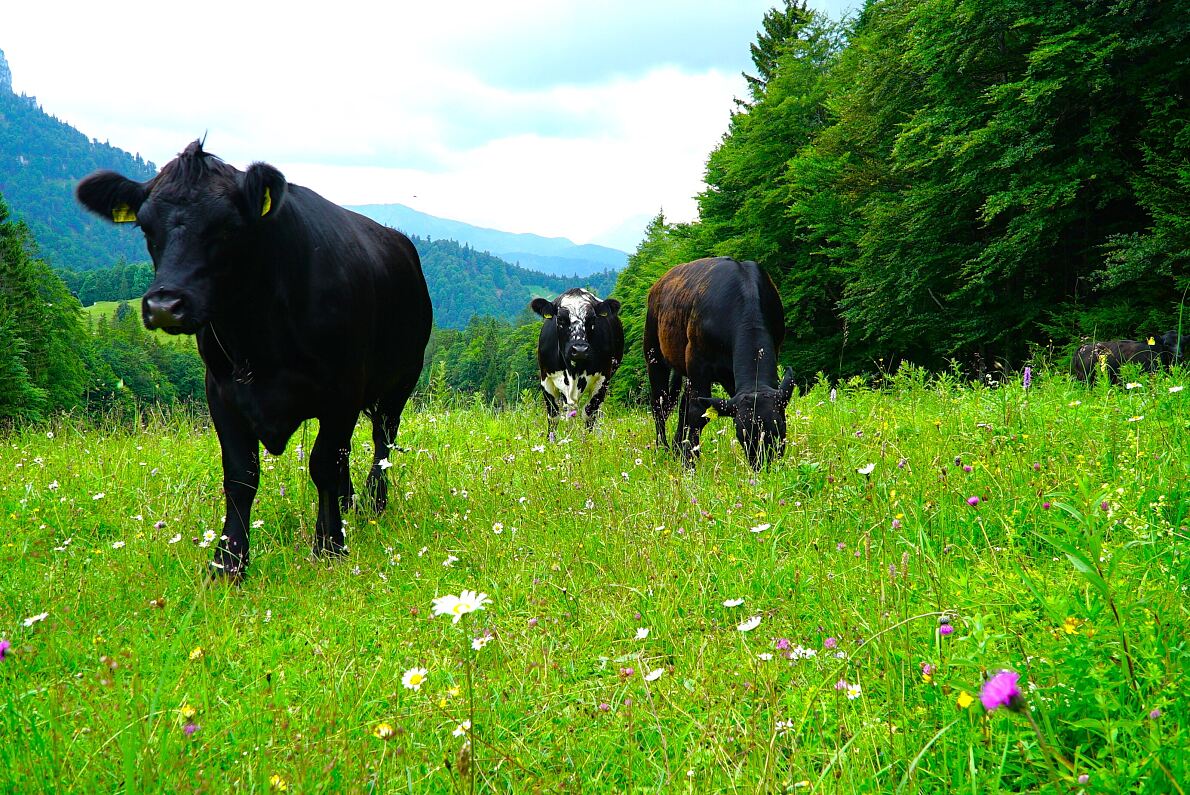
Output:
x=650 y=628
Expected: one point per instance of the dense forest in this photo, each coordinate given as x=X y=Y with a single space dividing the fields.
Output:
x=939 y=179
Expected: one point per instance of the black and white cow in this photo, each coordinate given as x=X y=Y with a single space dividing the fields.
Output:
x=580 y=346
x=301 y=309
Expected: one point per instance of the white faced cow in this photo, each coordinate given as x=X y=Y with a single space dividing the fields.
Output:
x=579 y=349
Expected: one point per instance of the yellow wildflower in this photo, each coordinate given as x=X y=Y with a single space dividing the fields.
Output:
x=965 y=699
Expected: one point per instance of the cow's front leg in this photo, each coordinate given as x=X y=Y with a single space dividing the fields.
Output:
x=241 y=476
x=330 y=469
x=693 y=418
x=551 y=414
x=595 y=402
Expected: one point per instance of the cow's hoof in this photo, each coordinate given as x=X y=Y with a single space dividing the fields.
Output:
x=329 y=549
x=226 y=572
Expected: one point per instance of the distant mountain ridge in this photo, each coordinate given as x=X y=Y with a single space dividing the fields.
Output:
x=41 y=160
x=553 y=255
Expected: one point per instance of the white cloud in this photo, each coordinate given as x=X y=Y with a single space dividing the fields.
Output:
x=528 y=115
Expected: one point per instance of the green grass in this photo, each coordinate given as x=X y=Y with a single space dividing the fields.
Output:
x=602 y=535
x=107 y=309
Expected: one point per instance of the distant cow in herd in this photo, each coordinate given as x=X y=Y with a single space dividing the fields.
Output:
x=579 y=348
x=1112 y=355
x=717 y=321
x=301 y=309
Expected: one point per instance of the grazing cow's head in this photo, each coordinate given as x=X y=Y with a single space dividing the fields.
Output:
x=1172 y=346
x=583 y=324
x=759 y=419
x=195 y=215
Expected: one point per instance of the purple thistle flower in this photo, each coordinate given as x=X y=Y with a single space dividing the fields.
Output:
x=927 y=669
x=1036 y=466
x=1155 y=714
x=1002 y=691
x=782 y=644
x=946 y=629
x=904 y=462
x=973 y=501
x=841 y=684
x=967 y=467
x=4 y=646
x=1084 y=778
x=605 y=707
x=1103 y=506
x=190 y=728
x=1045 y=506
x=1027 y=378
x=896 y=524
x=830 y=643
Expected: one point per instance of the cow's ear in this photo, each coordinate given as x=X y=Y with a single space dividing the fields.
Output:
x=608 y=308
x=786 y=388
x=543 y=307
x=715 y=407
x=112 y=196
x=265 y=190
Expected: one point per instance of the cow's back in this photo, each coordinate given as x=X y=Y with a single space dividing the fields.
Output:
x=703 y=305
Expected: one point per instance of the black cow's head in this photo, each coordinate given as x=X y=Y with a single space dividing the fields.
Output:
x=582 y=322
x=759 y=419
x=197 y=214
x=1173 y=347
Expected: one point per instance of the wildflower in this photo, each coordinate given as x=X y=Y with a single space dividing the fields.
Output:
x=1137 y=418
x=967 y=467
x=854 y=692
x=497 y=527
x=1177 y=388
x=764 y=655
x=782 y=644
x=627 y=672
x=840 y=546
x=1070 y=625
x=1074 y=403
x=98 y=496
x=927 y=672
x=1131 y=385
x=1045 y=506
x=1084 y=778
x=642 y=633
x=532 y=622
x=783 y=726
x=654 y=675
x=275 y=781
x=187 y=712
x=904 y=462
x=4 y=646
x=1002 y=691
x=384 y=464
x=965 y=699
x=31 y=620
x=117 y=544
x=1103 y=506
x=834 y=395
x=749 y=625
x=896 y=524
x=462 y=728
x=479 y=643
x=760 y=528
x=605 y=707
x=732 y=602
x=841 y=684
x=196 y=653
x=1027 y=378
x=190 y=728
x=176 y=538
x=414 y=678
x=866 y=469
x=383 y=730
x=450 y=561
x=830 y=643
x=1155 y=714
x=973 y=501
x=458 y=606
x=944 y=627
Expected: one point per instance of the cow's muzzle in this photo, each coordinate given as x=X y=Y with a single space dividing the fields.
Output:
x=165 y=310
x=579 y=352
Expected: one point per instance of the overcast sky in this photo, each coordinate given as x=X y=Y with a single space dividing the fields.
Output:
x=572 y=119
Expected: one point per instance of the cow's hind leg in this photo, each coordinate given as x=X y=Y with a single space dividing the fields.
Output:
x=386 y=421
x=329 y=466
x=664 y=384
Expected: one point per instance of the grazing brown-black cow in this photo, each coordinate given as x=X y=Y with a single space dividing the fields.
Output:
x=579 y=348
x=301 y=309
x=1111 y=356
x=1174 y=347
x=718 y=320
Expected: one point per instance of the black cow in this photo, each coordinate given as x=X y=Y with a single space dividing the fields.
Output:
x=1173 y=347
x=301 y=309
x=580 y=346
x=1111 y=355
x=718 y=320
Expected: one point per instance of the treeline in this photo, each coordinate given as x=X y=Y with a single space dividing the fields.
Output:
x=50 y=360
x=121 y=282
x=41 y=160
x=937 y=179
x=494 y=359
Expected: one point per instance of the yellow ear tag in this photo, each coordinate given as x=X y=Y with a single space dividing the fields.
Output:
x=547 y=317
x=122 y=214
x=710 y=413
x=603 y=314
x=268 y=203
x=1152 y=341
